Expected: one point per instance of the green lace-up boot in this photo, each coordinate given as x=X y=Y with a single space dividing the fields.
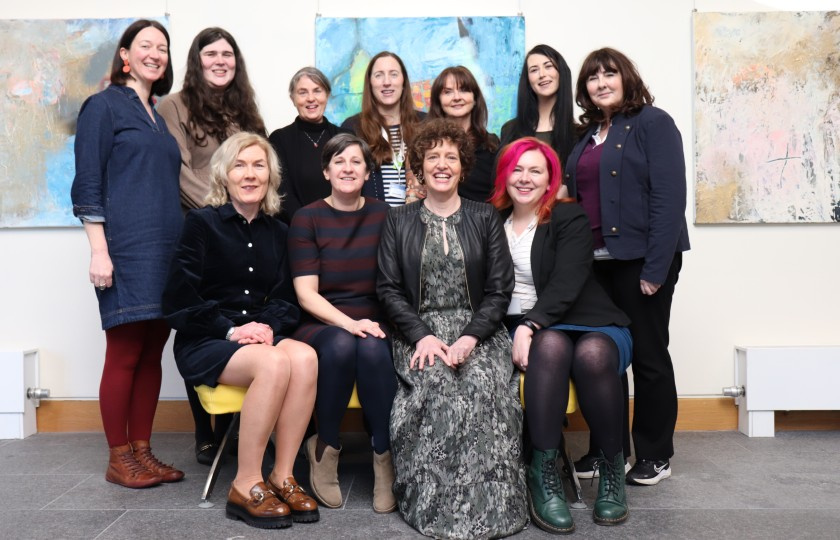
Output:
x=611 y=503
x=546 y=497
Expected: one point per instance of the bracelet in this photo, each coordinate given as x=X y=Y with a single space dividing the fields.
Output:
x=530 y=324
x=230 y=333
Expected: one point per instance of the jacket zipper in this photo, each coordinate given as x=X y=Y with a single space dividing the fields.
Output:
x=420 y=279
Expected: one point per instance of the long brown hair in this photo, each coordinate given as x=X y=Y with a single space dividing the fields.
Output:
x=212 y=114
x=636 y=94
x=372 y=122
x=465 y=82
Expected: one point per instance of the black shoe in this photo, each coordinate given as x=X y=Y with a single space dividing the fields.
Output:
x=587 y=467
x=648 y=472
x=205 y=452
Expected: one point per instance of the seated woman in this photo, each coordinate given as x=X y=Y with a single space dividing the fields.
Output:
x=445 y=280
x=230 y=299
x=332 y=247
x=564 y=326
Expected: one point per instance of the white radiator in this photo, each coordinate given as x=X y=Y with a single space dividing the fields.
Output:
x=773 y=379
x=19 y=393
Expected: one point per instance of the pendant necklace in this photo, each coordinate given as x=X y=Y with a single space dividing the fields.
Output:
x=313 y=141
x=397 y=157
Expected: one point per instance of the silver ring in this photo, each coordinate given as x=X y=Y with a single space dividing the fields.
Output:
x=102 y=287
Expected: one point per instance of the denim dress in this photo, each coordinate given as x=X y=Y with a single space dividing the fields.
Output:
x=127 y=169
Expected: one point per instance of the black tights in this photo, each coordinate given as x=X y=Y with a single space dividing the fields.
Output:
x=591 y=360
x=345 y=359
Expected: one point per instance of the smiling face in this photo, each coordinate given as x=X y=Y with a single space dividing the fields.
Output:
x=528 y=182
x=347 y=171
x=248 y=180
x=148 y=56
x=543 y=76
x=606 y=89
x=310 y=100
x=442 y=168
x=386 y=82
x=456 y=103
x=218 y=64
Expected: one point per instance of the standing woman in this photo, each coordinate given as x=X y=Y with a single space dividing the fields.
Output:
x=387 y=123
x=215 y=102
x=445 y=280
x=126 y=194
x=544 y=103
x=629 y=170
x=564 y=327
x=299 y=145
x=332 y=246
x=457 y=96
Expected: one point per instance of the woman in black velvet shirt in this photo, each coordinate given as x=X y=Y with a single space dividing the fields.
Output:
x=299 y=144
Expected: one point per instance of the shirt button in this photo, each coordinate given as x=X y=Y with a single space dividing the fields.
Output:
x=250 y=244
x=244 y=221
x=613 y=173
x=250 y=268
x=618 y=145
x=626 y=128
x=247 y=291
x=244 y=311
x=614 y=229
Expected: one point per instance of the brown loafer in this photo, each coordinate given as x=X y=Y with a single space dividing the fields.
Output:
x=143 y=454
x=261 y=509
x=304 y=508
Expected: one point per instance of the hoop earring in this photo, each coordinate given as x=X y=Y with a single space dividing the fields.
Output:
x=126 y=68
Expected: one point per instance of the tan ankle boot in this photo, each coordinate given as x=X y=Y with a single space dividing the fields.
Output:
x=323 y=475
x=125 y=470
x=143 y=454
x=383 y=483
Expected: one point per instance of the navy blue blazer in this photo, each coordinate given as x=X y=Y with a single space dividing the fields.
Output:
x=643 y=189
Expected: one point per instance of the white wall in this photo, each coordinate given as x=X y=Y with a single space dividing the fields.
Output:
x=739 y=285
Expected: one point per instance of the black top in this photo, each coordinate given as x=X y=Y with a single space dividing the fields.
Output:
x=302 y=180
x=478 y=186
x=228 y=272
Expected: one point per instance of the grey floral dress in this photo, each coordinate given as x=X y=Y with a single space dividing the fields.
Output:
x=455 y=433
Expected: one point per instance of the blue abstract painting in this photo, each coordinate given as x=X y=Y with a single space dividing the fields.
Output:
x=42 y=86
x=492 y=48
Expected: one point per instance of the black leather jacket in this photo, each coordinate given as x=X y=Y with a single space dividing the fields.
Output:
x=488 y=265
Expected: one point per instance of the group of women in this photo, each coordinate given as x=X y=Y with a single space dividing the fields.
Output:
x=367 y=256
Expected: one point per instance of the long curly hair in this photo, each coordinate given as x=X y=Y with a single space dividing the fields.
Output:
x=372 y=122
x=465 y=82
x=432 y=133
x=213 y=113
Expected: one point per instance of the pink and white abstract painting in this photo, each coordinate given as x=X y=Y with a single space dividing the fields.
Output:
x=767 y=117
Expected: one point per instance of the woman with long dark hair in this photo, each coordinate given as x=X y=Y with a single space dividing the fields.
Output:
x=387 y=124
x=457 y=96
x=215 y=102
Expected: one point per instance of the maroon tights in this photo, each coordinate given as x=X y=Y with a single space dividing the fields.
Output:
x=130 y=387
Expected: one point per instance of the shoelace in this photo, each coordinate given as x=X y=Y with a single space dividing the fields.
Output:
x=149 y=460
x=610 y=477
x=132 y=465
x=551 y=478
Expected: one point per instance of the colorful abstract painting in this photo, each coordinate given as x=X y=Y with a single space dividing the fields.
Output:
x=47 y=69
x=767 y=117
x=492 y=48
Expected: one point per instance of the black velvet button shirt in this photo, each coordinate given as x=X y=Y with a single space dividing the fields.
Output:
x=228 y=272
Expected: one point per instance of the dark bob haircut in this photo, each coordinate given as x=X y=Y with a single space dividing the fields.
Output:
x=341 y=142
x=160 y=87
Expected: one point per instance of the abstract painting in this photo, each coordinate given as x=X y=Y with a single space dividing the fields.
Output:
x=492 y=48
x=47 y=69
x=767 y=117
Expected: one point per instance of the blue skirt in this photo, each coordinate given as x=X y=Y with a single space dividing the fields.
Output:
x=619 y=334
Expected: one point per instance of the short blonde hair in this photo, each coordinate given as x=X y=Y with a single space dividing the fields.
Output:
x=223 y=160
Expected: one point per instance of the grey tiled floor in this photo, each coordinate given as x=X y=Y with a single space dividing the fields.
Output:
x=724 y=485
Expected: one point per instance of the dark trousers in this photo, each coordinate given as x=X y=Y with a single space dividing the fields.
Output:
x=655 y=390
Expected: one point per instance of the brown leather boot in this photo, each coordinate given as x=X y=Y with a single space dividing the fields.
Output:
x=383 y=483
x=323 y=475
x=143 y=454
x=304 y=508
x=125 y=470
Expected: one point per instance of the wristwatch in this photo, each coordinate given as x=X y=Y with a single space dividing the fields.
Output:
x=230 y=333
x=530 y=324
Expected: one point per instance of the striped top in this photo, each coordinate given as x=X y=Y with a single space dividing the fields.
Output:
x=393 y=179
x=340 y=248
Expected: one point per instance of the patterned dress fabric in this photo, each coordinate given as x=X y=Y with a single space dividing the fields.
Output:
x=455 y=433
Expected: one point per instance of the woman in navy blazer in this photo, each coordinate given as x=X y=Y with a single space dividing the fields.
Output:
x=563 y=326
x=628 y=172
